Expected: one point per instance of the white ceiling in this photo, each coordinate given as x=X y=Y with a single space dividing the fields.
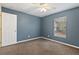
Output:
x=29 y=8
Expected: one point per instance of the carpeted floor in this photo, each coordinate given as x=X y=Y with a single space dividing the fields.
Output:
x=39 y=47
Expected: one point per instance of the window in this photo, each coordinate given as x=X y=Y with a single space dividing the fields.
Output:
x=60 y=27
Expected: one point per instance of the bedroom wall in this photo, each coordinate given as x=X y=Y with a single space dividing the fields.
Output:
x=35 y=27
x=72 y=26
x=26 y=24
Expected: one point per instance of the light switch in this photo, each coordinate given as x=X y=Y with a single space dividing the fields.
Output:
x=28 y=36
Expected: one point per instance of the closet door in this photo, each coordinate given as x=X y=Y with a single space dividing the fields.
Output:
x=9 y=29
x=0 y=30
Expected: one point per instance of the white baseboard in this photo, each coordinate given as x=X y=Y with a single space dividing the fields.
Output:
x=50 y=40
x=61 y=42
x=23 y=41
x=28 y=40
x=47 y=39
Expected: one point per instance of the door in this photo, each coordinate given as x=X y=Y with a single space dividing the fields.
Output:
x=0 y=30
x=9 y=29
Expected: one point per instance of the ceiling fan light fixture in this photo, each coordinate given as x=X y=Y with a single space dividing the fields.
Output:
x=43 y=9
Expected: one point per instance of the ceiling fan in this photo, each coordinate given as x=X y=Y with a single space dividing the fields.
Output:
x=43 y=7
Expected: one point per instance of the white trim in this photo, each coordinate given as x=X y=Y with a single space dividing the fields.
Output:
x=61 y=42
x=47 y=39
x=50 y=40
x=23 y=41
x=28 y=39
x=6 y=38
x=0 y=7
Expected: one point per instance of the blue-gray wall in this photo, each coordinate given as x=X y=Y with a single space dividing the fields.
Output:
x=35 y=27
x=72 y=26
x=26 y=24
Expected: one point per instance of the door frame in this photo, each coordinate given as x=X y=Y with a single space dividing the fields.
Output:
x=16 y=29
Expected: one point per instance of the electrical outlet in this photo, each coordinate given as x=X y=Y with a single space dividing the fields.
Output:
x=48 y=35
x=28 y=36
